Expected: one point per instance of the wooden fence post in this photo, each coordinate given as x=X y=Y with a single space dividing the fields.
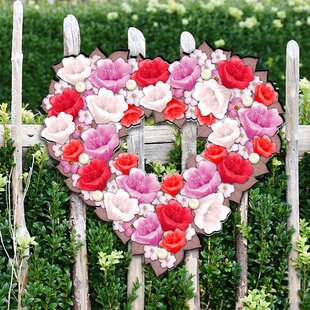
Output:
x=189 y=147
x=242 y=253
x=135 y=142
x=291 y=131
x=77 y=218
x=20 y=228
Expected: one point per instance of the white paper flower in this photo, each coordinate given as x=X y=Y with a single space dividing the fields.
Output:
x=183 y=200
x=57 y=149
x=132 y=96
x=188 y=98
x=212 y=98
x=112 y=186
x=156 y=97
x=168 y=262
x=118 y=225
x=150 y=252
x=209 y=65
x=120 y=207
x=243 y=138
x=85 y=117
x=226 y=189
x=60 y=86
x=75 y=69
x=106 y=107
x=254 y=83
x=190 y=233
x=113 y=169
x=134 y=64
x=200 y=56
x=190 y=112
x=58 y=128
x=46 y=102
x=145 y=208
x=217 y=56
x=211 y=213
x=238 y=93
x=225 y=132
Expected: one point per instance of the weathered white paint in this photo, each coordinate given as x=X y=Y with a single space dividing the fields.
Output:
x=77 y=218
x=292 y=111
x=135 y=142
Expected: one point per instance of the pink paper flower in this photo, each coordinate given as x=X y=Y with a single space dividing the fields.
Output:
x=129 y=228
x=199 y=56
x=184 y=73
x=218 y=55
x=259 y=121
x=101 y=142
x=85 y=117
x=75 y=69
x=120 y=207
x=225 y=132
x=233 y=107
x=201 y=181
x=111 y=75
x=79 y=129
x=211 y=213
x=150 y=252
x=139 y=185
x=148 y=230
x=58 y=128
x=69 y=166
x=212 y=98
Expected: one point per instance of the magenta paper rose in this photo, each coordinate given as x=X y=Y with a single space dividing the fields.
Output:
x=259 y=121
x=201 y=181
x=184 y=73
x=111 y=75
x=148 y=230
x=101 y=142
x=139 y=185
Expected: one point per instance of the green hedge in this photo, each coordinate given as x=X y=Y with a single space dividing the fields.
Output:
x=43 y=38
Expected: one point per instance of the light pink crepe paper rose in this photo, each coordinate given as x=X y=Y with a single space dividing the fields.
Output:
x=106 y=107
x=201 y=181
x=101 y=142
x=156 y=97
x=212 y=98
x=259 y=121
x=58 y=128
x=139 y=185
x=148 y=230
x=184 y=73
x=111 y=75
x=75 y=69
x=120 y=207
x=225 y=133
x=211 y=213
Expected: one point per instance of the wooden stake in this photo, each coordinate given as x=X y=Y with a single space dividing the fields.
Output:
x=189 y=147
x=135 y=142
x=17 y=182
x=242 y=253
x=77 y=220
x=292 y=102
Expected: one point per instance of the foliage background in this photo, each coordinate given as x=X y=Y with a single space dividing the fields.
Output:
x=47 y=201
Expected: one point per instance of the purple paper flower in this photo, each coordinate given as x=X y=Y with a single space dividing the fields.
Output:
x=69 y=166
x=233 y=107
x=184 y=73
x=201 y=181
x=148 y=230
x=259 y=121
x=139 y=185
x=101 y=142
x=111 y=75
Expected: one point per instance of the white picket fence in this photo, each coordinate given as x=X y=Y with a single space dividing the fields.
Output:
x=153 y=147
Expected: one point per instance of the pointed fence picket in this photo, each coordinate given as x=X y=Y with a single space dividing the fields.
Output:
x=152 y=144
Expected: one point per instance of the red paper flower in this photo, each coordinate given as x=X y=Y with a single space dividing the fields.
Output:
x=125 y=162
x=235 y=74
x=173 y=241
x=174 y=110
x=72 y=150
x=172 y=184
x=204 y=120
x=151 y=71
x=69 y=102
x=132 y=116
x=234 y=169
x=94 y=176
x=214 y=153
x=173 y=216
x=264 y=146
x=264 y=93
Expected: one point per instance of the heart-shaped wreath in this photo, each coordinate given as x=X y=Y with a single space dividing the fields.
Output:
x=98 y=98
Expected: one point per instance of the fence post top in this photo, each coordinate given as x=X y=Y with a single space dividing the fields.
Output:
x=292 y=49
x=18 y=6
x=187 y=42
x=136 y=42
